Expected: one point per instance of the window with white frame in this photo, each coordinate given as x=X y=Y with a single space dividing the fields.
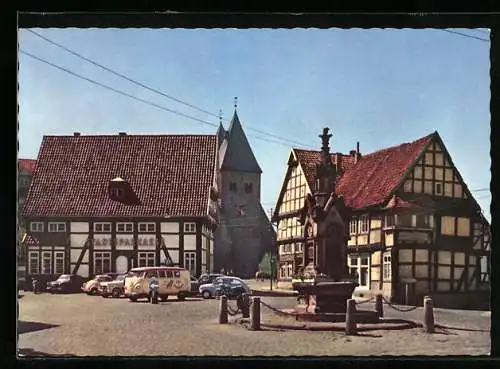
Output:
x=189 y=227
x=190 y=262
x=359 y=267
x=353 y=226
x=363 y=224
x=125 y=227
x=147 y=227
x=387 y=267
x=102 y=262
x=57 y=227
x=146 y=259
x=34 y=263
x=36 y=226
x=46 y=262
x=102 y=227
x=59 y=262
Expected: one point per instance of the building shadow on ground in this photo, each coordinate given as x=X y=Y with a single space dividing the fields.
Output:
x=30 y=353
x=26 y=327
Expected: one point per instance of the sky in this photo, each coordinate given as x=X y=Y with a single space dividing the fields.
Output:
x=381 y=87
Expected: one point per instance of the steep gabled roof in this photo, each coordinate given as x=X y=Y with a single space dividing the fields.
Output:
x=171 y=175
x=27 y=165
x=373 y=178
x=238 y=154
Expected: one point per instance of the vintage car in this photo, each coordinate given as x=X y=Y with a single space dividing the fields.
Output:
x=114 y=288
x=92 y=287
x=65 y=283
x=231 y=286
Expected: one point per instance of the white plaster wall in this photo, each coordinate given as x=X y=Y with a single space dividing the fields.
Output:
x=147 y=244
x=77 y=240
x=99 y=240
x=123 y=246
x=79 y=227
x=171 y=240
x=169 y=227
x=190 y=242
x=174 y=254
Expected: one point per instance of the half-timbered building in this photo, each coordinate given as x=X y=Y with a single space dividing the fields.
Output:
x=415 y=230
x=109 y=203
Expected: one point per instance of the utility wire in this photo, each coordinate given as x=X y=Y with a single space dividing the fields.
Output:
x=137 y=98
x=480 y=190
x=465 y=35
x=151 y=88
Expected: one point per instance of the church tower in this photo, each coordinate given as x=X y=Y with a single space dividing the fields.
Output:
x=244 y=233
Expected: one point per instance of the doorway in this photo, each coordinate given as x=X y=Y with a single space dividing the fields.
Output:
x=122 y=264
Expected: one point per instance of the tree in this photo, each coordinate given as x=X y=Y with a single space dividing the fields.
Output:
x=265 y=265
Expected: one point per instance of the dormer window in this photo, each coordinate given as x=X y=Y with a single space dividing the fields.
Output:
x=116 y=192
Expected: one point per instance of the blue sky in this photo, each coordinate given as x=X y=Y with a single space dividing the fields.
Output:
x=380 y=87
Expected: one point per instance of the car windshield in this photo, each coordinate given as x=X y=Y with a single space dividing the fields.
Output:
x=135 y=273
x=64 y=277
x=120 y=277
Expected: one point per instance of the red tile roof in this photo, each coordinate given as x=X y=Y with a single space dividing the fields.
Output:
x=170 y=174
x=27 y=165
x=308 y=160
x=372 y=179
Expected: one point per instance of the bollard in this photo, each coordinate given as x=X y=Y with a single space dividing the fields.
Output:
x=379 y=305
x=245 y=309
x=255 y=316
x=428 y=314
x=223 y=310
x=350 y=318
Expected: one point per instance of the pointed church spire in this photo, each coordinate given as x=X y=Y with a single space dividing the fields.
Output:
x=239 y=155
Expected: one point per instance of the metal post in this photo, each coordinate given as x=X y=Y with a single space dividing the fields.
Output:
x=428 y=314
x=350 y=318
x=379 y=306
x=245 y=310
x=255 y=315
x=223 y=310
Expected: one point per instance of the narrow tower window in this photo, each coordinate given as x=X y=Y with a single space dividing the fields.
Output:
x=248 y=187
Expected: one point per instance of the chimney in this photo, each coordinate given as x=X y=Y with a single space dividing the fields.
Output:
x=338 y=161
x=352 y=152
x=122 y=133
x=76 y=134
x=358 y=155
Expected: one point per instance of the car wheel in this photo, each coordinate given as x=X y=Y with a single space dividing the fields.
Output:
x=206 y=294
x=181 y=296
x=116 y=293
x=164 y=298
x=133 y=299
x=104 y=295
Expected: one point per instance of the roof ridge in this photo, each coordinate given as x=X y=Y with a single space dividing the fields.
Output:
x=138 y=135
x=377 y=151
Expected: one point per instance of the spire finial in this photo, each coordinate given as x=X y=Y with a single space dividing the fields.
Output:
x=220 y=116
x=235 y=102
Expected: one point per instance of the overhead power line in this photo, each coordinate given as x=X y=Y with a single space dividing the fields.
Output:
x=465 y=35
x=137 y=98
x=480 y=190
x=149 y=88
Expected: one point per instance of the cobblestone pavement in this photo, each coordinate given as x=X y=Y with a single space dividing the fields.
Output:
x=92 y=326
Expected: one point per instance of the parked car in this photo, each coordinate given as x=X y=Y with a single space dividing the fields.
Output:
x=233 y=286
x=92 y=287
x=195 y=286
x=209 y=278
x=65 y=283
x=114 y=288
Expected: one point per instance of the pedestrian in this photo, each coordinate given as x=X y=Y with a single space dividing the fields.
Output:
x=34 y=284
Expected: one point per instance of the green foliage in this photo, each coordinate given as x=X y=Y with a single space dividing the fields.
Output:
x=265 y=264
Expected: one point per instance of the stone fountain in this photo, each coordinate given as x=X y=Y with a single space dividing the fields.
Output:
x=325 y=282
